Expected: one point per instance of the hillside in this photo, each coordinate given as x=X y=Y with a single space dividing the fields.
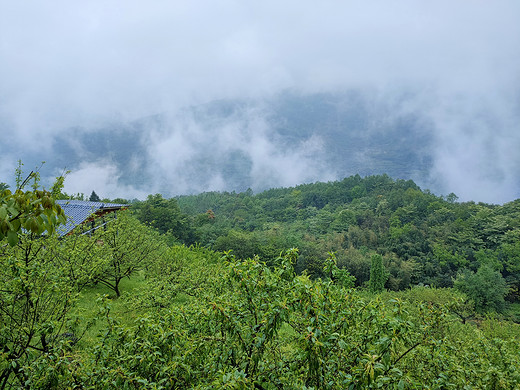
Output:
x=130 y=306
x=424 y=239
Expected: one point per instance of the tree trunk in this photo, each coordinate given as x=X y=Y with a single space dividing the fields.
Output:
x=116 y=287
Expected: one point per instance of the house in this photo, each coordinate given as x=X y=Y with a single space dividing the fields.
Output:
x=86 y=215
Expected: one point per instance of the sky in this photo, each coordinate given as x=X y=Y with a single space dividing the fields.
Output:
x=70 y=64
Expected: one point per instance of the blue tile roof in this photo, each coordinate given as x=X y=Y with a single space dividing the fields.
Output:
x=78 y=211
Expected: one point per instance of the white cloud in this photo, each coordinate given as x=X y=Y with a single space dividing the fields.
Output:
x=101 y=177
x=83 y=64
x=477 y=142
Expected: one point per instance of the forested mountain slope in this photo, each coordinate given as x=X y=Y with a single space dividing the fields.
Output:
x=423 y=238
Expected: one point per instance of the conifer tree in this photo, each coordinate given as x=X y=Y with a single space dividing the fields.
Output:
x=94 y=197
x=378 y=274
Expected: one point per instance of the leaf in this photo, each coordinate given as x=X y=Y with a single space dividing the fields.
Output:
x=12 y=238
x=16 y=224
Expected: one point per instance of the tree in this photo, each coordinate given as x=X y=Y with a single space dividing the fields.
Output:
x=35 y=294
x=34 y=301
x=378 y=274
x=335 y=274
x=126 y=247
x=35 y=298
x=35 y=211
x=165 y=216
x=94 y=197
x=78 y=258
x=510 y=256
x=487 y=288
x=243 y=244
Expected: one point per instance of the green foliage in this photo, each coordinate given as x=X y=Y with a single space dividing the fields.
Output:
x=260 y=316
x=35 y=297
x=400 y=272
x=79 y=256
x=165 y=216
x=337 y=275
x=243 y=324
x=487 y=288
x=126 y=246
x=378 y=274
x=268 y=328
x=243 y=244
x=35 y=291
x=35 y=211
x=423 y=238
x=448 y=259
x=94 y=197
x=170 y=282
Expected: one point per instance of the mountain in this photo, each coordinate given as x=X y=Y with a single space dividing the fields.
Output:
x=231 y=145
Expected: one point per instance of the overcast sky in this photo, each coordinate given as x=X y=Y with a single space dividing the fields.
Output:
x=65 y=63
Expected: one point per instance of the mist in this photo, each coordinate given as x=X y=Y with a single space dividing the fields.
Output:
x=71 y=72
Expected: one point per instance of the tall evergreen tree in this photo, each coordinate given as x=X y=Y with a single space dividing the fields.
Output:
x=94 y=197
x=378 y=274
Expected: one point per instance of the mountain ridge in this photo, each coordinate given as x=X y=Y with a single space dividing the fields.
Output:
x=237 y=144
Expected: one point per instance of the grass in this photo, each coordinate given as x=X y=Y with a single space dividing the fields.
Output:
x=90 y=304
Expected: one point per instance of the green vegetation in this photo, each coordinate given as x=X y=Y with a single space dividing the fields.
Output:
x=390 y=287
x=125 y=247
x=422 y=238
x=35 y=211
x=378 y=274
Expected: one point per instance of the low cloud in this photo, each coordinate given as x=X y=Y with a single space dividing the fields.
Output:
x=475 y=153
x=101 y=177
x=230 y=153
x=96 y=64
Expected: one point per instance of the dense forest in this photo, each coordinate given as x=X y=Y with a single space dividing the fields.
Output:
x=361 y=283
x=424 y=239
